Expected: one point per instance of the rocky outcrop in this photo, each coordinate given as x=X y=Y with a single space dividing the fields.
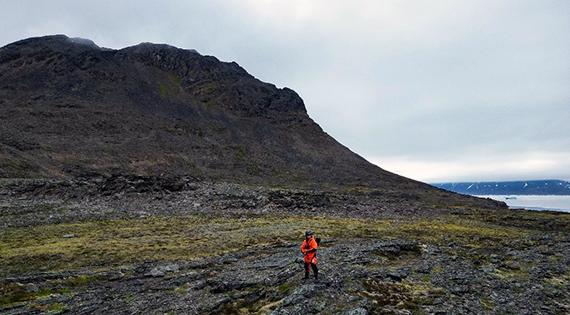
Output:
x=35 y=202
x=357 y=276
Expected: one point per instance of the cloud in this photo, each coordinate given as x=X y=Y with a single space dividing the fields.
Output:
x=535 y=165
x=448 y=83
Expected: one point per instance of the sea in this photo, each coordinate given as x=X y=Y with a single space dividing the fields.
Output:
x=534 y=202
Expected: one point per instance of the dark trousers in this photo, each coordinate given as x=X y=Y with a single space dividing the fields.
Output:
x=315 y=270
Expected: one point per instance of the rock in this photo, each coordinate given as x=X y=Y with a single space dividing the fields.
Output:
x=514 y=265
x=229 y=260
x=356 y=311
x=487 y=268
x=459 y=289
x=211 y=304
x=424 y=268
x=32 y=287
x=293 y=299
x=155 y=272
x=158 y=271
x=114 y=276
x=197 y=285
x=494 y=258
x=68 y=235
x=399 y=274
x=170 y=268
x=319 y=306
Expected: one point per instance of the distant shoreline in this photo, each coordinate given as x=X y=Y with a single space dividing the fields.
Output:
x=526 y=195
x=544 y=187
x=558 y=203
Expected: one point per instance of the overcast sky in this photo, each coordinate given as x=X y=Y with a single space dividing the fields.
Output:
x=433 y=90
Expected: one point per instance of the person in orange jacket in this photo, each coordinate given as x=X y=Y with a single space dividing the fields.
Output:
x=309 y=250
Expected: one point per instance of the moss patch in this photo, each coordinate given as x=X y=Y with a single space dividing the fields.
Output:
x=11 y=293
x=404 y=295
x=108 y=243
x=169 y=86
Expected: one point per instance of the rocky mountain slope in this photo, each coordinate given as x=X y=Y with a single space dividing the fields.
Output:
x=70 y=108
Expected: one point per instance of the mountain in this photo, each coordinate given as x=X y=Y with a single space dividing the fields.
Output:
x=71 y=109
x=530 y=187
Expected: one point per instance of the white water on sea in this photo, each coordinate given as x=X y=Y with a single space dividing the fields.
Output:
x=534 y=202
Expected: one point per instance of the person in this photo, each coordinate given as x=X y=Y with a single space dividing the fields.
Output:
x=309 y=250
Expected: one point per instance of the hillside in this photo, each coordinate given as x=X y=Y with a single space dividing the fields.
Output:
x=530 y=187
x=70 y=108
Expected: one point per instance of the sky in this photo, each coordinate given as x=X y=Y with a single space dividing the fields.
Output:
x=439 y=90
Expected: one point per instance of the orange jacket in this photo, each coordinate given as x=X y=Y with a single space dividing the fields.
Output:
x=309 y=250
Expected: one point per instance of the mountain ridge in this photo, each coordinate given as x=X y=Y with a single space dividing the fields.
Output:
x=71 y=109
x=529 y=187
x=186 y=86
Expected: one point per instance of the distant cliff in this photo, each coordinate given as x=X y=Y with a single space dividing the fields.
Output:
x=531 y=187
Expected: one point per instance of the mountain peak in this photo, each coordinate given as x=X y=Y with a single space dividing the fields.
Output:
x=159 y=47
x=83 y=41
x=55 y=42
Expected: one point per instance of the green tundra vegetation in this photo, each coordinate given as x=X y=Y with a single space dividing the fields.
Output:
x=116 y=242
x=98 y=246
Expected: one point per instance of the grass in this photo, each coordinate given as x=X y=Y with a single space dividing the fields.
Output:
x=403 y=295
x=12 y=293
x=558 y=280
x=240 y=154
x=542 y=220
x=56 y=308
x=110 y=243
x=169 y=86
x=81 y=280
x=487 y=303
x=183 y=289
x=284 y=288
